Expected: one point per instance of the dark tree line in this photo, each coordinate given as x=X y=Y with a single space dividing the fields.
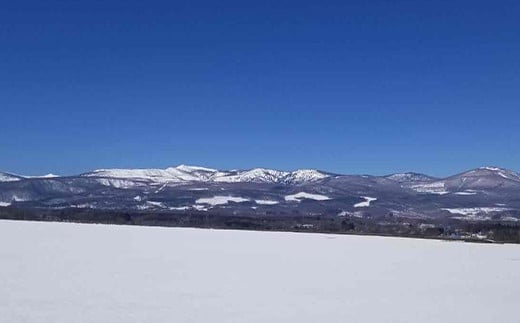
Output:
x=388 y=225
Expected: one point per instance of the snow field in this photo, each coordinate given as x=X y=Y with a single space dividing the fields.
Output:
x=62 y=273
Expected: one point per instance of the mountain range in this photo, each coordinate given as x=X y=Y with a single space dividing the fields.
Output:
x=480 y=194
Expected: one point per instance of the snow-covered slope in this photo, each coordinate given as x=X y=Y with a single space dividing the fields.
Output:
x=502 y=172
x=490 y=178
x=483 y=178
x=256 y=175
x=305 y=175
x=6 y=177
x=262 y=175
x=50 y=175
x=410 y=177
x=180 y=173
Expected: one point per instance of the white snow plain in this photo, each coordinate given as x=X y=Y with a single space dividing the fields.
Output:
x=221 y=200
x=302 y=195
x=62 y=273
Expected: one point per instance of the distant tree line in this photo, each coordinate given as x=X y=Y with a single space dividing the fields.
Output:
x=492 y=231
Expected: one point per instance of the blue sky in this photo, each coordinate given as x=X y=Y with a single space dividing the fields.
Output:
x=346 y=86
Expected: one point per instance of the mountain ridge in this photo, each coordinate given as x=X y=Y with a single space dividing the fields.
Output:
x=480 y=194
x=188 y=173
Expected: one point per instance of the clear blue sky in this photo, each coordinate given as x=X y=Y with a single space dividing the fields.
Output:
x=346 y=86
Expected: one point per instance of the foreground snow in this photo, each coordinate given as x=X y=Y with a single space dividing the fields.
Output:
x=62 y=273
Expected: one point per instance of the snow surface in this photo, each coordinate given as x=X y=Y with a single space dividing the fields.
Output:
x=82 y=206
x=220 y=200
x=504 y=173
x=254 y=175
x=306 y=175
x=5 y=177
x=491 y=168
x=365 y=203
x=179 y=208
x=187 y=168
x=262 y=175
x=62 y=273
x=155 y=204
x=465 y=193
x=302 y=195
x=471 y=211
x=118 y=182
x=432 y=188
x=4 y=204
x=50 y=175
x=409 y=177
x=266 y=202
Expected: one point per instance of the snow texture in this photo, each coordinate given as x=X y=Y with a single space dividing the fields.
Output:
x=471 y=211
x=5 y=177
x=365 y=203
x=62 y=273
x=186 y=174
x=220 y=200
x=50 y=175
x=266 y=202
x=302 y=195
x=466 y=193
x=432 y=188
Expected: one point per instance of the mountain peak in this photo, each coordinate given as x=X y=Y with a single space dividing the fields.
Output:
x=502 y=172
x=307 y=175
x=494 y=169
x=259 y=175
x=410 y=177
x=190 y=168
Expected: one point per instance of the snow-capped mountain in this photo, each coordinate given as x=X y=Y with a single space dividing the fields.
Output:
x=484 y=177
x=262 y=175
x=491 y=178
x=410 y=177
x=305 y=175
x=6 y=177
x=489 y=192
x=186 y=174
x=182 y=173
x=256 y=175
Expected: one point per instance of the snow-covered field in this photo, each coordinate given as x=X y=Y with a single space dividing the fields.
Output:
x=302 y=195
x=62 y=273
x=219 y=200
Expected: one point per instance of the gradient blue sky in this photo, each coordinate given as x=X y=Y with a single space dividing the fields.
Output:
x=346 y=86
